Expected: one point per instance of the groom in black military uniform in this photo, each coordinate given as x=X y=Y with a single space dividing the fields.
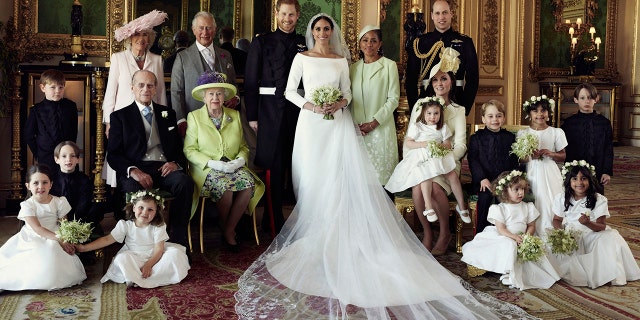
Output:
x=267 y=71
x=424 y=53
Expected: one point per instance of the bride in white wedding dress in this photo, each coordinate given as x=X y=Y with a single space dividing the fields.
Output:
x=345 y=252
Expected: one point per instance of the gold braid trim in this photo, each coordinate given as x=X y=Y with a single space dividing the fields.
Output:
x=425 y=65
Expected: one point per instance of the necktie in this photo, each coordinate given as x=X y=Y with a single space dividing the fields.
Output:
x=208 y=57
x=146 y=112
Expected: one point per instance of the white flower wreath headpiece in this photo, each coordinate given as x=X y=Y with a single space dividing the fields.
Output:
x=502 y=184
x=136 y=196
x=533 y=100
x=578 y=163
x=436 y=99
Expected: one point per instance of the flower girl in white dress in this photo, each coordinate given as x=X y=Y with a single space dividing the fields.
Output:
x=495 y=248
x=429 y=156
x=146 y=259
x=34 y=258
x=603 y=255
x=542 y=169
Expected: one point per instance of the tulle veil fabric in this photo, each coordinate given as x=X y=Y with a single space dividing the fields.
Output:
x=345 y=252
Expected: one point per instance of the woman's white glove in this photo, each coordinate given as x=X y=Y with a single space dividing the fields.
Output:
x=220 y=166
x=236 y=164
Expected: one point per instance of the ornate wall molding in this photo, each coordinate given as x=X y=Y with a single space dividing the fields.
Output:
x=351 y=24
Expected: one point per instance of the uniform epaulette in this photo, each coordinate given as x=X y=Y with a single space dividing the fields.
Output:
x=464 y=35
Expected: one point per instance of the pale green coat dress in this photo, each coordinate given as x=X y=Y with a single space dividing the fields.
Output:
x=203 y=142
x=376 y=90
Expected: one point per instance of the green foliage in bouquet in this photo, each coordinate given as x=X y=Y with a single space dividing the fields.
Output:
x=325 y=95
x=530 y=249
x=74 y=231
x=437 y=150
x=525 y=145
x=563 y=241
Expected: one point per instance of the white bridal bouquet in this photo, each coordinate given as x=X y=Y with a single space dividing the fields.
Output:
x=325 y=95
x=525 y=145
x=74 y=231
x=530 y=249
x=563 y=241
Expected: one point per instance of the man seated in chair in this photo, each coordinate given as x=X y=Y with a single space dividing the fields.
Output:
x=145 y=150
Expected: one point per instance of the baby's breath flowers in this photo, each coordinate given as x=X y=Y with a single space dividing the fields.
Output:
x=530 y=249
x=437 y=150
x=563 y=241
x=74 y=231
x=325 y=95
x=533 y=100
x=578 y=163
x=525 y=145
x=504 y=182
x=133 y=197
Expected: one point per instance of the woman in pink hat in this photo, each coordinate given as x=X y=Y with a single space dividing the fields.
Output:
x=137 y=37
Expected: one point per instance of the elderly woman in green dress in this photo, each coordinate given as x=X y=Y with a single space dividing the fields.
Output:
x=376 y=91
x=218 y=156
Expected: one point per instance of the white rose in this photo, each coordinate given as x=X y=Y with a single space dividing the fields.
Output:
x=544 y=96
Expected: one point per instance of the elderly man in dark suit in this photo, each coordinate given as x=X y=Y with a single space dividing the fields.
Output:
x=193 y=61
x=145 y=150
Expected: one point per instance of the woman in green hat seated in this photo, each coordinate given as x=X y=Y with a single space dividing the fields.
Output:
x=218 y=156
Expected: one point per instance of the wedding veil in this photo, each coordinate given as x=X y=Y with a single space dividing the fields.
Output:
x=338 y=44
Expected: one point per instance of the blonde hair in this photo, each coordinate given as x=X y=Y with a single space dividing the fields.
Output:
x=493 y=102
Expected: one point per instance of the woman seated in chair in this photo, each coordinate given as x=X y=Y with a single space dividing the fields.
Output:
x=218 y=156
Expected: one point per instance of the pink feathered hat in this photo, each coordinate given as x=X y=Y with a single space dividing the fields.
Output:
x=145 y=22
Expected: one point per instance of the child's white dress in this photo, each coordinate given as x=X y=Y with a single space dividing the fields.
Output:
x=544 y=175
x=138 y=246
x=418 y=164
x=29 y=261
x=491 y=251
x=602 y=257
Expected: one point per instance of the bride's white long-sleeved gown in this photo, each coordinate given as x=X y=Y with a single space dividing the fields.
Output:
x=345 y=252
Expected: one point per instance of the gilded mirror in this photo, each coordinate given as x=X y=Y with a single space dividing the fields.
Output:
x=551 y=58
x=567 y=12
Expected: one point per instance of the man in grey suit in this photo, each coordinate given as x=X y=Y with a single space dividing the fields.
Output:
x=193 y=61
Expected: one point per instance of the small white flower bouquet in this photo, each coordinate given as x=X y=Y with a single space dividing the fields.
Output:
x=525 y=145
x=325 y=95
x=74 y=231
x=531 y=248
x=437 y=150
x=563 y=241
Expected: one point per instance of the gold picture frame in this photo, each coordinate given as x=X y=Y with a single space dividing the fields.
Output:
x=608 y=73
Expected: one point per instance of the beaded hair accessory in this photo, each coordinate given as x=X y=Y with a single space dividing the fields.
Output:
x=138 y=195
x=502 y=184
x=568 y=166
x=533 y=100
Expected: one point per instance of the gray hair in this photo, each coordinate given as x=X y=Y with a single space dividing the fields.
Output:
x=203 y=14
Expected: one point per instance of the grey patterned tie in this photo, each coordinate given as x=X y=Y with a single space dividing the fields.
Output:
x=208 y=57
x=146 y=112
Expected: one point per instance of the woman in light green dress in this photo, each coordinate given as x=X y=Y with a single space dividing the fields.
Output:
x=376 y=90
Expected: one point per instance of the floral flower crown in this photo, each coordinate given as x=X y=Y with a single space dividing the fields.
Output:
x=578 y=163
x=502 y=184
x=535 y=99
x=138 y=195
x=435 y=99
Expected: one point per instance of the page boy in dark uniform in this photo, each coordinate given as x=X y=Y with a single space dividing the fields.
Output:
x=51 y=121
x=425 y=53
x=267 y=71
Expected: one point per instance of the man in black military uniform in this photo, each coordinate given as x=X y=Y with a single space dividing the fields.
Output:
x=425 y=53
x=267 y=71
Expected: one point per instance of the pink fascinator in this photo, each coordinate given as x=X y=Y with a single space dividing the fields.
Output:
x=145 y=22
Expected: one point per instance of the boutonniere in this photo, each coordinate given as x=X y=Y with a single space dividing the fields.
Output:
x=228 y=118
x=165 y=114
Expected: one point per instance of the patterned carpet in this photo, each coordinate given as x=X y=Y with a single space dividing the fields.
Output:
x=207 y=292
